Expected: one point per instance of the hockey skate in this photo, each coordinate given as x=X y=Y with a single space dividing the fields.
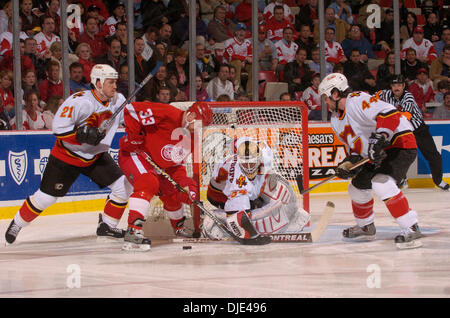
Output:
x=182 y=232
x=104 y=231
x=444 y=186
x=409 y=238
x=360 y=234
x=134 y=238
x=12 y=232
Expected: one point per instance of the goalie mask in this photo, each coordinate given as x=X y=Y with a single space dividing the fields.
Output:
x=249 y=156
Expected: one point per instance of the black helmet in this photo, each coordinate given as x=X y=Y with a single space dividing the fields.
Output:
x=397 y=79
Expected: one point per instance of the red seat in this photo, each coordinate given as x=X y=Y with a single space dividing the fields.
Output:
x=421 y=20
x=374 y=73
x=410 y=4
x=380 y=54
x=264 y=77
x=386 y=3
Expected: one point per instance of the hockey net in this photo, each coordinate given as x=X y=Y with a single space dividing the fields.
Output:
x=283 y=126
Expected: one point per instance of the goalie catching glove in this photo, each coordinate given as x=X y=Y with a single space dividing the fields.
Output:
x=377 y=143
x=89 y=135
x=344 y=171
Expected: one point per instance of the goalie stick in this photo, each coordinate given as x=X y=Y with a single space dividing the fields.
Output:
x=107 y=123
x=299 y=178
x=195 y=202
x=305 y=237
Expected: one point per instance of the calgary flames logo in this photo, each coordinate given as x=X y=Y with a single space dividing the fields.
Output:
x=241 y=181
x=96 y=119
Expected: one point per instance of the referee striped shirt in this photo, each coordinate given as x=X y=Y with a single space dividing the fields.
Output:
x=406 y=103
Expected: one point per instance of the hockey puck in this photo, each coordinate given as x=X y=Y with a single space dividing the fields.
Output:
x=187 y=247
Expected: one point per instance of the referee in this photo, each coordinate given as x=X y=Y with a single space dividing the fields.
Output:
x=404 y=101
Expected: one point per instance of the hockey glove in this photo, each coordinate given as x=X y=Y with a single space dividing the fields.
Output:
x=89 y=135
x=131 y=143
x=343 y=170
x=377 y=143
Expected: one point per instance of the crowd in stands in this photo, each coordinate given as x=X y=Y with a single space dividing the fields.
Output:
x=287 y=47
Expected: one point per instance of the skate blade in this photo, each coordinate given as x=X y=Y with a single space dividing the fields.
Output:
x=409 y=245
x=364 y=238
x=108 y=239
x=131 y=247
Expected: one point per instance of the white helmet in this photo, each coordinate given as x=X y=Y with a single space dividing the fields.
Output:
x=102 y=72
x=249 y=154
x=331 y=81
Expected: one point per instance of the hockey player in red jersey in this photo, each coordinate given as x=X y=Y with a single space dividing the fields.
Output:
x=164 y=133
x=374 y=129
x=81 y=148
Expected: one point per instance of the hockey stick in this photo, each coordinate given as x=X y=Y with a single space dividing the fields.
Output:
x=107 y=123
x=305 y=237
x=216 y=220
x=299 y=178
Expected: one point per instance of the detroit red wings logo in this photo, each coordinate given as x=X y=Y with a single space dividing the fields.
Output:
x=96 y=119
x=173 y=153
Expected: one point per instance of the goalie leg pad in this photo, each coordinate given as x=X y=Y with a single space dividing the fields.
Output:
x=241 y=226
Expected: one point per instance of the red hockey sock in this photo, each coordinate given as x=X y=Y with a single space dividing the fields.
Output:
x=362 y=210
x=397 y=205
x=28 y=212
x=114 y=209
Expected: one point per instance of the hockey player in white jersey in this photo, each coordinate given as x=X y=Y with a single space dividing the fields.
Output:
x=374 y=129
x=251 y=197
x=81 y=148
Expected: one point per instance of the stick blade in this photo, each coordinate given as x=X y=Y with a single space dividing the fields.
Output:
x=323 y=222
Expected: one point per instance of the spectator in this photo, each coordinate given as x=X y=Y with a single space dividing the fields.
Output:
x=84 y=54
x=30 y=50
x=277 y=23
x=112 y=56
x=52 y=11
x=176 y=10
x=424 y=48
x=407 y=30
x=180 y=67
x=141 y=66
x=358 y=74
x=165 y=34
x=121 y=35
x=76 y=78
x=29 y=81
x=432 y=30
x=333 y=50
x=103 y=13
x=307 y=15
x=297 y=73
x=357 y=40
x=338 y=68
x=50 y=110
x=154 y=13
x=32 y=116
x=305 y=39
x=237 y=87
x=5 y=16
x=176 y=94
x=285 y=97
x=440 y=68
x=4 y=119
x=220 y=28
x=364 y=14
x=122 y=81
x=269 y=10
x=201 y=93
x=442 y=88
x=314 y=65
x=343 y=11
x=163 y=95
x=410 y=65
x=385 y=71
x=386 y=32
x=445 y=40
x=443 y=111
x=203 y=64
x=94 y=38
x=150 y=36
x=221 y=85
x=244 y=13
x=238 y=53
x=7 y=63
x=29 y=20
x=6 y=93
x=207 y=9
x=312 y=99
x=155 y=83
x=224 y=98
x=339 y=26
x=118 y=15
x=46 y=37
x=286 y=50
x=6 y=38
x=265 y=51
x=52 y=85
x=422 y=89
x=181 y=27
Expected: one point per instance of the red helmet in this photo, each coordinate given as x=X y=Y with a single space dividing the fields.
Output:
x=203 y=112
